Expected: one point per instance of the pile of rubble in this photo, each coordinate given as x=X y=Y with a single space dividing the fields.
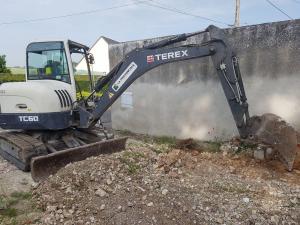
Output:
x=178 y=186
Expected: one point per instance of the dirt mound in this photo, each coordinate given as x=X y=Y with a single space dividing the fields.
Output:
x=272 y=130
x=143 y=186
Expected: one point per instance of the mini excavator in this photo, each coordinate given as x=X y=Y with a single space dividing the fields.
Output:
x=46 y=127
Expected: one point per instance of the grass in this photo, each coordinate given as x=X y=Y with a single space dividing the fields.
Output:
x=149 y=138
x=14 y=205
x=212 y=146
x=133 y=155
x=163 y=144
x=82 y=81
x=133 y=168
x=226 y=187
x=15 y=197
x=245 y=146
x=17 y=70
x=22 y=70
x=5 y=77
x=158 y=144
x=165 y=140
x=9 y=212
x=131 y=159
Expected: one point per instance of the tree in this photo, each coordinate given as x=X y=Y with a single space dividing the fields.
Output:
x=3 y=68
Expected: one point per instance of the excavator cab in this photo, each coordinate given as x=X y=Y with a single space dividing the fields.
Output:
x=53 y=61
x=45 y=100
x=47 y=61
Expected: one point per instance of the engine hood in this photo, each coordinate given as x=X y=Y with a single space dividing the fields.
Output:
x=36 y=97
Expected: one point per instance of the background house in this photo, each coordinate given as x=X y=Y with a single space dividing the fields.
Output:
x=100 y=50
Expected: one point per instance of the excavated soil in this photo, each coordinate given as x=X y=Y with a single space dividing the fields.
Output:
x=152 y=183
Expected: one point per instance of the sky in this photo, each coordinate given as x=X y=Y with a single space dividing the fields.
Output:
x=122 y=20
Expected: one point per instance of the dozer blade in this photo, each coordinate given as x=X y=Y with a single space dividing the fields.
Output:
x=43 y=166
x=270 y=129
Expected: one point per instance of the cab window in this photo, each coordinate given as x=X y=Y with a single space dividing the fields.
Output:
x=47 y=61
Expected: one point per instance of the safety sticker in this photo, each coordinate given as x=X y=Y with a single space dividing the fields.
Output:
x=124 y=76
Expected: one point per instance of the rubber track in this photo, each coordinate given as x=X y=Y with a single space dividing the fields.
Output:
x=25 y=147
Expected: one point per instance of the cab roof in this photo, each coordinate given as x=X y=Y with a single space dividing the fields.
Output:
x=48 y=45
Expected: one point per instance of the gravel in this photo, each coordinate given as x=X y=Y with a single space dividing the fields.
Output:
x=144 y=186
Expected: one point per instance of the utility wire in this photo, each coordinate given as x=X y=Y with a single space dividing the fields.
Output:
x=276 y=7
x=167 y=7
x=172 y=9
x=146 y=2
x=72 y=14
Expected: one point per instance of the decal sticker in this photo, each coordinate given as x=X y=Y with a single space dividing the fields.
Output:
x=29 y=118
x=124 y=76
x=110 y=95
x=167 y=55
x=150 y=58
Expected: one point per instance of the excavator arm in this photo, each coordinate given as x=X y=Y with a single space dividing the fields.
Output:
x=137 y=62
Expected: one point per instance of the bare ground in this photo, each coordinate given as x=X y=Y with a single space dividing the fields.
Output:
x=12 y=179
x=16 y=204
x=158 y=182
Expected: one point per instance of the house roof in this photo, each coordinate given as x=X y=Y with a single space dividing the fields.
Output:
x=108 y=40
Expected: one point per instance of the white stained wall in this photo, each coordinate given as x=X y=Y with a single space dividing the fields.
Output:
x=101 y=55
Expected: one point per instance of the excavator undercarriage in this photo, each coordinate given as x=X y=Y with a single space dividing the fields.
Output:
x=19 y=148
x=46 y=152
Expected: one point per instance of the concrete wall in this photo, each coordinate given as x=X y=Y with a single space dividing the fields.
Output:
x=185 y=99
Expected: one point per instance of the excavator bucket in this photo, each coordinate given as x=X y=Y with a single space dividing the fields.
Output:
x=273 y=131
x=46 y=165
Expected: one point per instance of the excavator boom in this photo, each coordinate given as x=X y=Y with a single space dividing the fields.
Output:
x=139 y=61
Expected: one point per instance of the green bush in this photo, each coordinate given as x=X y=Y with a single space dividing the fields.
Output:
x=6 y=77
x=3 y=68
x=84 y=85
